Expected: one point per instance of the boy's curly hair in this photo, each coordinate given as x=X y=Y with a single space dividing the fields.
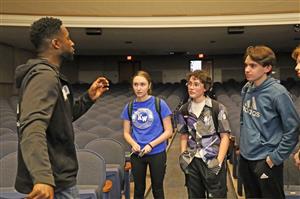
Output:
x=202 y=76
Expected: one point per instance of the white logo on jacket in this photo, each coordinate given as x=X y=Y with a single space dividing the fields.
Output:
x=251 y=108
x=65 y=90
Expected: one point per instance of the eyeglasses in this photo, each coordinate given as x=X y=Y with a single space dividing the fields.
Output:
x=195 y=84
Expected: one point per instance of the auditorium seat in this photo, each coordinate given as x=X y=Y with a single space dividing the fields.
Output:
x=91 y=178
x=114 y=155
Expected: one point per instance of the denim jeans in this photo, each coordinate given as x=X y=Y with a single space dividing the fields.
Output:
x=69 y=193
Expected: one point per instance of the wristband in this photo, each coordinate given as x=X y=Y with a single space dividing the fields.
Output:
x=150 y=145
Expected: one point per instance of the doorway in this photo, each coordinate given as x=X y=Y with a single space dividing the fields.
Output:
x=127 y=69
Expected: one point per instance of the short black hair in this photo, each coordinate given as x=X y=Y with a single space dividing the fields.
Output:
x=42 y=29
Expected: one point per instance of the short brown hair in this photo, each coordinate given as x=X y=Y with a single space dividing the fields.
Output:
x=146 y=76
x=296 y=52
x=202 y=76
x=262 y=55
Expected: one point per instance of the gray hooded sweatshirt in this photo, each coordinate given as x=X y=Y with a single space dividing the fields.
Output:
x=269 y=122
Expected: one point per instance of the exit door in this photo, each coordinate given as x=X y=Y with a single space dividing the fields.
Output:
x=127 y=69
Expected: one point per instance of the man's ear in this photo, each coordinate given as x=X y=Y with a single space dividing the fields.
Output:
x=55 y=43
x=268 y=68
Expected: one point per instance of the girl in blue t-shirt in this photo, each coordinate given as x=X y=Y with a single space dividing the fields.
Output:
x=147 y=134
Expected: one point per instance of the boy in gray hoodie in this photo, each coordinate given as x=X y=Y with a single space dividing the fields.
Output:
x=296 y=57
x=269 y=127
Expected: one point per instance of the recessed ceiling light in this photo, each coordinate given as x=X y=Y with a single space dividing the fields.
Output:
x=93 y=31
x=235 y=30
x=297 y=27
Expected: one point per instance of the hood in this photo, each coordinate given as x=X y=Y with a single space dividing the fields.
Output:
x=250 y=88
x=23 y=69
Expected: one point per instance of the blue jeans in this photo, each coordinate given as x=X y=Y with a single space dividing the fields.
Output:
x=69 y=193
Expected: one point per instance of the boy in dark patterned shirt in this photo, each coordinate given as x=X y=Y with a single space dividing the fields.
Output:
x=204 y=142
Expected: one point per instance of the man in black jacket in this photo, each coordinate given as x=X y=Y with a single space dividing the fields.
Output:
x=47 y=162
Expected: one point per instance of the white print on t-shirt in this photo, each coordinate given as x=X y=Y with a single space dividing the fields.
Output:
x=142 y=118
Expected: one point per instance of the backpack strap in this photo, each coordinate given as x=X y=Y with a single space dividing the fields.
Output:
x=184 y=109
x=158 y=109
x=215 y=113
x=243 y=94
x=129 y=110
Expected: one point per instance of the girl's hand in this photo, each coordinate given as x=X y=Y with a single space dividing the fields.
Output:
x=136 y=148
x=147 y=149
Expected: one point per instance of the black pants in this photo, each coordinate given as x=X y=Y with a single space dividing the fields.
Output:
x=157 y=165
x=260 y=181
x=201 y=182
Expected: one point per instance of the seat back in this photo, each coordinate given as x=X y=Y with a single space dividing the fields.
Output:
x=9 y=137
x=116 y=125
x=114 y=155
x=101 y=131
x=111 y=150
x=81 y=139
x=91 y=173
x=8 y=170
x=120 y=138
x=91 y=168
x=7 y=147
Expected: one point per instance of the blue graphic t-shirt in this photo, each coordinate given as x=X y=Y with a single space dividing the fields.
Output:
x=146 y=125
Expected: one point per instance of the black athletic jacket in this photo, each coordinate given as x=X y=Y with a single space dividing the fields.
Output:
x=46 y=150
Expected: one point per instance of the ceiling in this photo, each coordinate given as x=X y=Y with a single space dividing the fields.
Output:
x=163 y=41
x=138 y=8
x=158 y=27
